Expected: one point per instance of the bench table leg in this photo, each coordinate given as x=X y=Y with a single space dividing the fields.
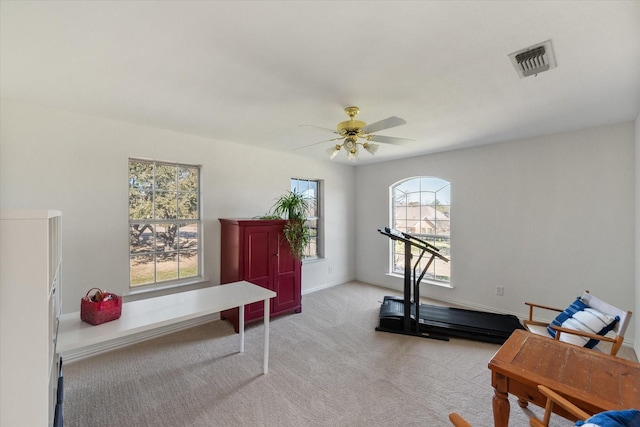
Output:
x=241 y=326
x=265 y=368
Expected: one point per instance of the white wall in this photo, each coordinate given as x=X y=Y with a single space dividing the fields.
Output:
x=79 y=165
x=546 y=218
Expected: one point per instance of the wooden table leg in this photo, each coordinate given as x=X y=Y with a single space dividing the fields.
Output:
x=500 y=401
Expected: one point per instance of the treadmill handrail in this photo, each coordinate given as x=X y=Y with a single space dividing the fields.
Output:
x=401 y=234
x=414 y=241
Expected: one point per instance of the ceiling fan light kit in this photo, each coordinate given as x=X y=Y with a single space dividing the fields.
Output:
x=352 y=130
x=370 y=147
x=333 y=151
x=352 y=156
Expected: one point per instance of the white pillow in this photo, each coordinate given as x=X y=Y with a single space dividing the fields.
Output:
x=587 y=320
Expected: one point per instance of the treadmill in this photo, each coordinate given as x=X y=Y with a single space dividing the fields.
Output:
x=398 y=314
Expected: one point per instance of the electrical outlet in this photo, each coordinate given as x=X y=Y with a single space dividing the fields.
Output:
x=500 y=290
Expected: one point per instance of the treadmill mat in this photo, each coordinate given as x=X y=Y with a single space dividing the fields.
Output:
x=453 y=322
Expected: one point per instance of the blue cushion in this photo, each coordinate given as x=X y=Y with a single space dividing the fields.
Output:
x=576 y=306
x=588 y=320
x=604 y=331
x=624 y=418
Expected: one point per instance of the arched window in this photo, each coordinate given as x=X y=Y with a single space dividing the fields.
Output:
x=421 y=206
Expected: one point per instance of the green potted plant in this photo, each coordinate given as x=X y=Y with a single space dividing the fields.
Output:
x=293 y=206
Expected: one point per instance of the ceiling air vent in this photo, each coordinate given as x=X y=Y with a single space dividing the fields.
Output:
x=533 y=59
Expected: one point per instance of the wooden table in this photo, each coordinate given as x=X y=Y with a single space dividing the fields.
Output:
x=151 y=313
x=592 y=380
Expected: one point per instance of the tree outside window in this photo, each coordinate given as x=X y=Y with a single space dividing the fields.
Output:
x=164 y=222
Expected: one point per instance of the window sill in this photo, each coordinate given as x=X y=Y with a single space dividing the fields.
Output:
x=312 y=260
x=167 y=286
x=425 y=281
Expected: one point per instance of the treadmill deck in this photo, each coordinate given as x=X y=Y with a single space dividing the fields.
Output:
x=449 y=321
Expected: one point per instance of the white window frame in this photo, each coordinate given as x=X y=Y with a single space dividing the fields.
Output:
x=157 y=225
x=421 y=206
x=302 y=185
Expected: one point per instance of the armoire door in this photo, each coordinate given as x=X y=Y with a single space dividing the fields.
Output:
x=258 y=263
x=286 y=277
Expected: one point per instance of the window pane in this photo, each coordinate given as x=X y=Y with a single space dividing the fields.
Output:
x=427 y=198
x=166 y=205
x=313 y=189
x=432 y=184
x=167 y=266
x=413 y=199
x=443 y=228
x=187 y=179
x=141 y=175
x=140 y=190
x=140 y=204
x=312 y=210
x=407 y=186
x=399 y=198
x=188 y=206
x=188 y=264
x=166 y=177
x=401 y=225
x=300 y=186
x=443 y=211
x=166 y=237
x=444 y=196
x=141 y=238
x=312 y=247
x=442 y=270
x=188 y=236
x=398 y=261
x=142 y=270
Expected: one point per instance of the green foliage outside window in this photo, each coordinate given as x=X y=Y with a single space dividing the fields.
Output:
x=164 y=221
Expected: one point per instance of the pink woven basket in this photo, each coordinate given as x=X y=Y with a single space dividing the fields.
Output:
x=96 y=312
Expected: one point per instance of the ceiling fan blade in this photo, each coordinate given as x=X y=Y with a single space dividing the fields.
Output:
x=319 y=142
x=387 y=123
x=389 y=139
x=321 y=128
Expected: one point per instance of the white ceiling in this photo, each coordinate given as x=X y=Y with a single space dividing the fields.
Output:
x=252 y=72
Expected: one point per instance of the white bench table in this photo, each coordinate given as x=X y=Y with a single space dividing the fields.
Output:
x=147 y=314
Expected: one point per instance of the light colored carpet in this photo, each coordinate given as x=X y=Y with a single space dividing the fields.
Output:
x=328 y=367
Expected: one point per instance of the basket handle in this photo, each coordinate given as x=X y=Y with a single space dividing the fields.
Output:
x=89 y=291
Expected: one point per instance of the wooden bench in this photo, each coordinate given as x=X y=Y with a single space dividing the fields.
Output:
x=152 y=313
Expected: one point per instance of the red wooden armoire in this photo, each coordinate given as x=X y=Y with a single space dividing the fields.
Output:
x=256 y=250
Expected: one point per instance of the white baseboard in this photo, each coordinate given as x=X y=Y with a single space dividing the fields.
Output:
x=96 y=349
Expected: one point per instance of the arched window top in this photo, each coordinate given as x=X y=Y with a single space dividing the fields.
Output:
x=416 y=188
x=422 y=206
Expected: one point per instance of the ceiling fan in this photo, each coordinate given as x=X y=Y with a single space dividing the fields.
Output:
x=355 y=132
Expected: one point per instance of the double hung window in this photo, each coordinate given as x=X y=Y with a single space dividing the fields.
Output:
x=310 y=189
x=164 y=223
